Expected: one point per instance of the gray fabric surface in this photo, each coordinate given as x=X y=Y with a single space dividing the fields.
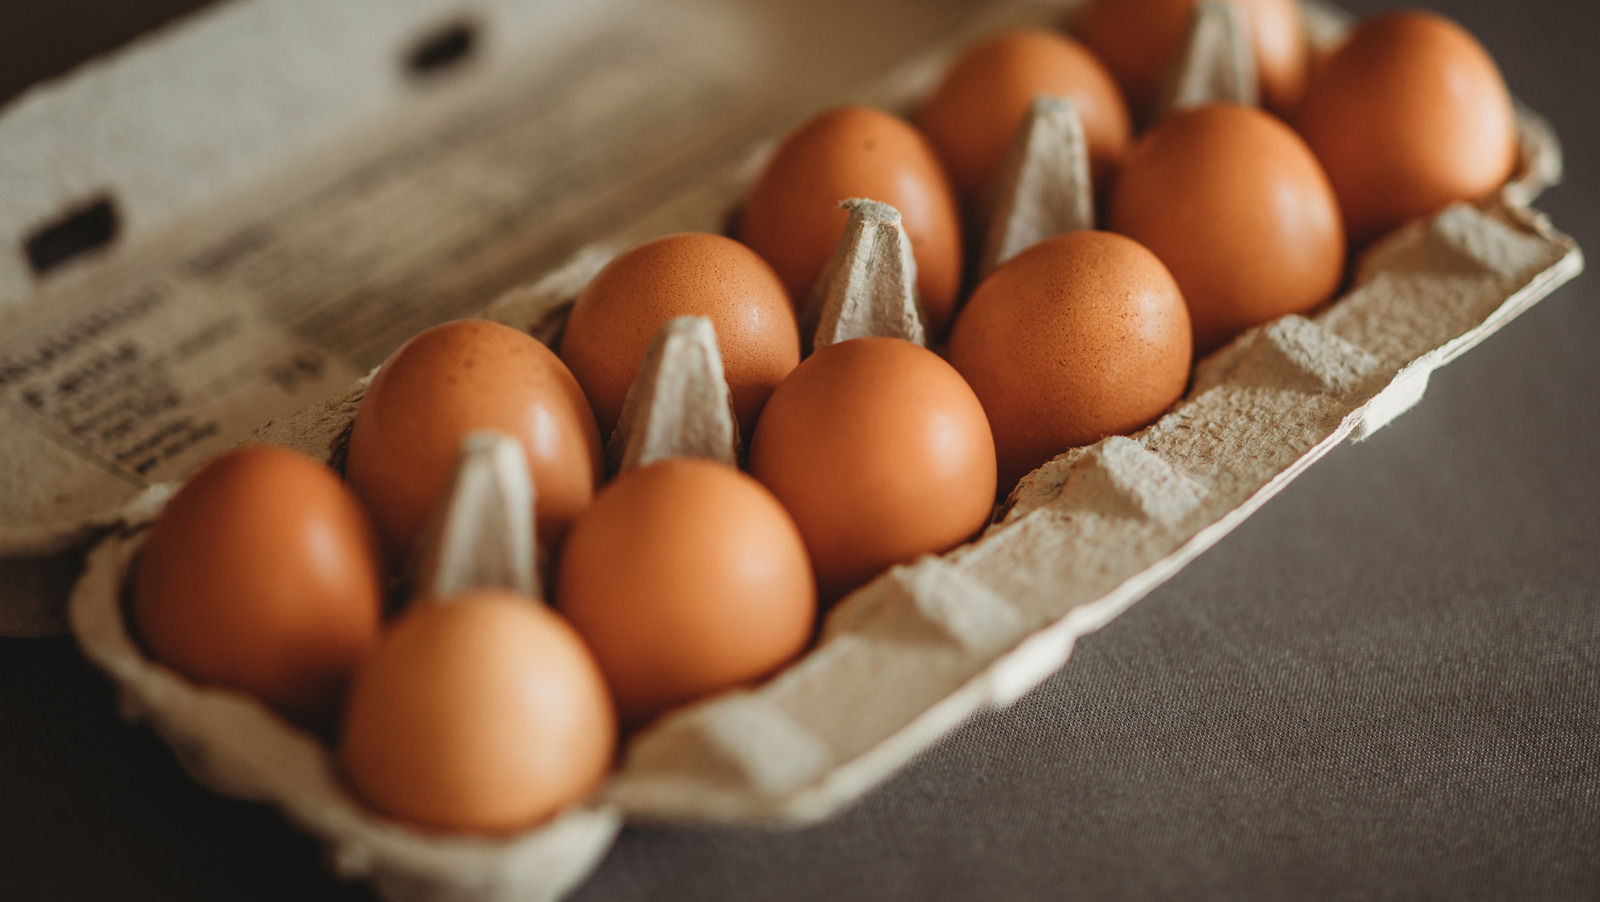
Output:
x=1386 y=684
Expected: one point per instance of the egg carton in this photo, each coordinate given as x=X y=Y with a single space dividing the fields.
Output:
x=906 y=658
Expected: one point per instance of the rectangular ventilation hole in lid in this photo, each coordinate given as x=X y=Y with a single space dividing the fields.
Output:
x=86 y=228
x=442 y=50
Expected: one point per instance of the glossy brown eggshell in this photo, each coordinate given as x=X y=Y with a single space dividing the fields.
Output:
x=1081 y=336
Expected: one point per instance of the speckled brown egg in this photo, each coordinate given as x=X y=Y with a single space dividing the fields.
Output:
x=881 y=452
x=262 y=574
x=1140 y=41
x=792 y=216
x=974 y=114
x=453 y=379
x=1081 y=336
x=686 y=577
x=1408 y=115
x=688 y=274
x=1236 y=206
x=481 y=713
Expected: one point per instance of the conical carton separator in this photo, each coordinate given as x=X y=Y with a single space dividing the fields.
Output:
x=1216 y=63
x=869 y=287
x=680 y=404
x=481 y=534
x=1043 y=187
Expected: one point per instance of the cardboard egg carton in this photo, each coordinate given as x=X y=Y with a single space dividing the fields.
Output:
x=907 y=657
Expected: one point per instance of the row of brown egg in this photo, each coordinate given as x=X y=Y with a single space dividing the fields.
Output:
x=682 y=577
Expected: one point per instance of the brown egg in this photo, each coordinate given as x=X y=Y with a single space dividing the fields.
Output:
x=1081 y=336
x=881 y=452
x=1141 y=40
x=973 y=116
x=1238 y=209
x=689 y=274
x=262 y=573
x=481 y=713
x=448 y=381
x=1408 y=115
x=685 y=577
x=792 y=216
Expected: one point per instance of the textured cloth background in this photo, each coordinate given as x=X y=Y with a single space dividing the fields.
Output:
x=1386 y=684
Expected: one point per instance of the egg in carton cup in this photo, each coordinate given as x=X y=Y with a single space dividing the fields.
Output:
x=906 y=658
